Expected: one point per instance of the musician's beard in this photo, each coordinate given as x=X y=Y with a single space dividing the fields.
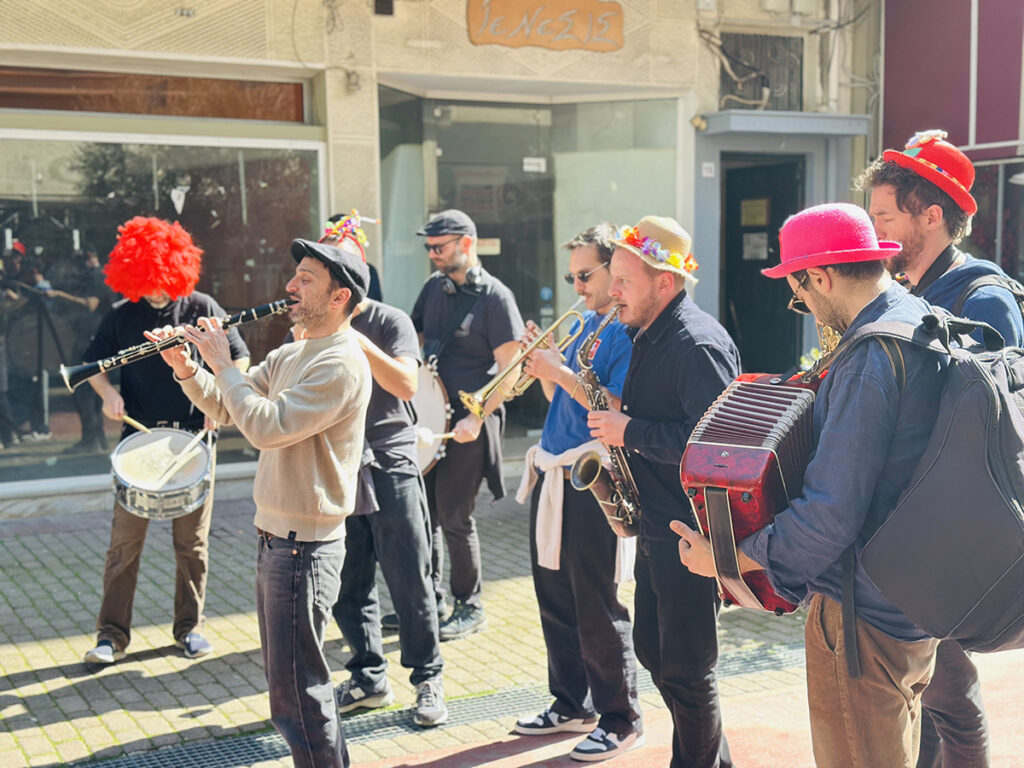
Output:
x=309 y=315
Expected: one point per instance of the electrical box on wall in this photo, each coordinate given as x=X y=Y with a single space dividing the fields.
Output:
x=805 y=7
x=775 y=6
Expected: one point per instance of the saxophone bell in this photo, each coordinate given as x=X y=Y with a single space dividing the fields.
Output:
x=589 y=474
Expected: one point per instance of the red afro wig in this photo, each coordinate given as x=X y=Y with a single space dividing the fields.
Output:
x=153 y=256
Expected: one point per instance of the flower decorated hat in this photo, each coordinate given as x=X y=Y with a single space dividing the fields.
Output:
x=346 y=232
x=662 y=243
x=930 y=156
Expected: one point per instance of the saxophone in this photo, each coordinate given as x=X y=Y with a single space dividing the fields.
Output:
x=615 y=491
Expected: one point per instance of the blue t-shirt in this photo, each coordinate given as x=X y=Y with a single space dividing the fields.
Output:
x=566 y=424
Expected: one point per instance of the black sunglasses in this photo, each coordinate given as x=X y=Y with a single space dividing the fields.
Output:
x=572 y=277
x=436 y=248
x=796 y=304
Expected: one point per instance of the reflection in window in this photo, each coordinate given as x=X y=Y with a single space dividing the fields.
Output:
x=60 y=206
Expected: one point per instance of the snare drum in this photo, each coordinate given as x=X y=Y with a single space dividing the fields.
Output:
x=142 y=484
x=433 y=412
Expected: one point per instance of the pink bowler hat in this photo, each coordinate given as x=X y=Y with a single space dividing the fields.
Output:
x=834 y=233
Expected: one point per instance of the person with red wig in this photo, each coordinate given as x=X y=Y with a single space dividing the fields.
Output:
x=155 y=266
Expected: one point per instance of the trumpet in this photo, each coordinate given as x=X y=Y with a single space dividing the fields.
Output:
x=74 y=375
x=475 y=401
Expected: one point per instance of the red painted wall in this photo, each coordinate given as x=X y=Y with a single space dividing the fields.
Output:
x=927 y=70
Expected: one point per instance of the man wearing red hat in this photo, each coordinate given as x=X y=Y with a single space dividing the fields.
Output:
x=864 y=677
x=155 y=265
x=921 y=197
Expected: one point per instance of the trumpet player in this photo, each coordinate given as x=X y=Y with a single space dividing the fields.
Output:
x=469 y=321
x=681 y=361
x=577 y=560
x=155 y=265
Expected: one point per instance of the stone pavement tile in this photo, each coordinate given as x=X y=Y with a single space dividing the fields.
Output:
x=13 y=758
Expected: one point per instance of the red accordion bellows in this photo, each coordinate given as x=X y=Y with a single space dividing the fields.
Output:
x=744 y=461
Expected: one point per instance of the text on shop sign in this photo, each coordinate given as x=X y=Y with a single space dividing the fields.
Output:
x=593 y=25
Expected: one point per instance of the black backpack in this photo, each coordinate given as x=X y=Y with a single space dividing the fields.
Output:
x=1003 y=281
x=951 y=553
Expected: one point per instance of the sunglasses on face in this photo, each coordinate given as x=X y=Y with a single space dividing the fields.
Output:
x=796 y=304
x=437 y=248
x=572 y=277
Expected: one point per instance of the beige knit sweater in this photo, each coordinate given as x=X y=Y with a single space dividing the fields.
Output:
x=304 y=409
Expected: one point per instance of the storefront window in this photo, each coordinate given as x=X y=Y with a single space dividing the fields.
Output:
x=997 y=230
x=61 y=203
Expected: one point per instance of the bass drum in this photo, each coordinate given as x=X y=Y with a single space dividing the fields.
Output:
x=142 y=483
x=433 y=416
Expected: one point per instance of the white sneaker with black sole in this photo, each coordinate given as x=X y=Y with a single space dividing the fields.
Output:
x=552 y=722
x=350 y=696
x=431 y=709
x=602 y=745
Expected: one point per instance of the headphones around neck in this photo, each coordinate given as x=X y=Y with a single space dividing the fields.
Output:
x=474 y=276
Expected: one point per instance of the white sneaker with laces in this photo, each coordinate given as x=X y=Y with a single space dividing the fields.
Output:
x=602 y=745
x=431 y=709
x=552 y=722
x=350 y=696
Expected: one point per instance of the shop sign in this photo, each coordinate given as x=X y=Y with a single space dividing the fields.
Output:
x=593 y=25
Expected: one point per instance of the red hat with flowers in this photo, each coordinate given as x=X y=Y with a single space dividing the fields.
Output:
x=930 y=156
x=153 y=256
x=822 y=235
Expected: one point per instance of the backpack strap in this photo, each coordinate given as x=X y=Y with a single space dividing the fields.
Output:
x=1001 y=281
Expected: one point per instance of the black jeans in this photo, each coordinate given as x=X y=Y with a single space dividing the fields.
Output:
x=296 y=582
x=675 y=635
x=452 y=486
x=591 y=663
x=954 y=730
x=397 y=536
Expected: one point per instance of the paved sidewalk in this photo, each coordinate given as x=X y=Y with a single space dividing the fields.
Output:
x=158 y=709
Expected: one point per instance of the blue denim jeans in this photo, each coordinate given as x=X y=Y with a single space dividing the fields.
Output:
x=397 y=536
x=296 y=583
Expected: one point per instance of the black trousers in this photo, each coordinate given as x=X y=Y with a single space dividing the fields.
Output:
x=591 y=663
x=452 y=486
x=954 y=730
x=675 y=636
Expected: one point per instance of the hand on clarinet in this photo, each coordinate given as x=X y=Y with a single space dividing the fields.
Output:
x=177 y=357
x=212 y=342
x=694 y=549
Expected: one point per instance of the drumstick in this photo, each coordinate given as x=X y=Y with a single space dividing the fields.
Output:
x=179 y=459
x=133 y=423
x=425 y=436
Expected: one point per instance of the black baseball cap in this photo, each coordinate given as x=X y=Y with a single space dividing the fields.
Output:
x=348 y=267
x=449 y=222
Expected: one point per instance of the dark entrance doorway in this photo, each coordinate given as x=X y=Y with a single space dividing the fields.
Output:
x=760 y=193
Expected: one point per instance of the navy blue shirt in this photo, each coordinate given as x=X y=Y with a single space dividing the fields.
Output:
x=990 y=304
x=467 y=361
x=566 y=424
x=679 y=365
x=389 y=425
x=870 y=437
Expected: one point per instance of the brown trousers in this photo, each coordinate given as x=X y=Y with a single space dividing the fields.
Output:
x=874 y=721
x=191 y=535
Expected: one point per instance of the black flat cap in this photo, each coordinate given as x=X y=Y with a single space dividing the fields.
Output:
x=348 y=267
x=450 y=222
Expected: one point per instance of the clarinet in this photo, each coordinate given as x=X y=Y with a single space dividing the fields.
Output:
x=615 y=491
x=74 y=375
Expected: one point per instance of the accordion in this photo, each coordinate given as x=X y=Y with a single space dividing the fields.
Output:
x=743 y=463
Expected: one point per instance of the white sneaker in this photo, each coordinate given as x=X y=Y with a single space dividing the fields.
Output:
x=430 y=707
x=601 y=745
x=104 y=653
x=552 y=722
